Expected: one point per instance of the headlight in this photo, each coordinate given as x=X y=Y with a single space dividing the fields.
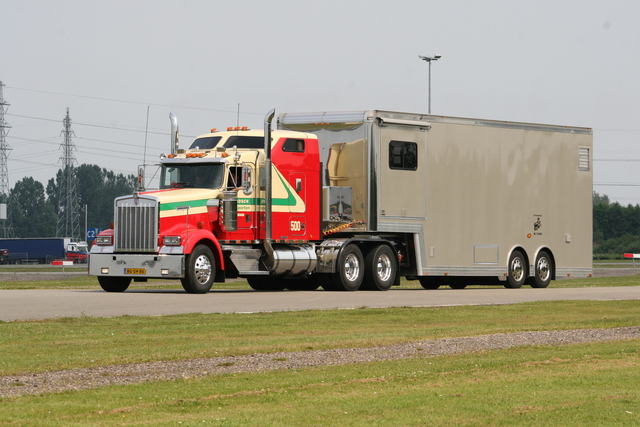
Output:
x=104 y=240
x=171 y=240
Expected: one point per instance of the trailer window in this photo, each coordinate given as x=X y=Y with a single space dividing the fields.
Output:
x=403 y=155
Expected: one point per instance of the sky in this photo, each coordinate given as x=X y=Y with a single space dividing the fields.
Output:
x=121 y=67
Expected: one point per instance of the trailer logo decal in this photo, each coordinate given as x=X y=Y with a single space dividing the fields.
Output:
x=537 y=225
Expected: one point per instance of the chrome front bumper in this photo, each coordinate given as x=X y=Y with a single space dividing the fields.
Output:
x=137 y=266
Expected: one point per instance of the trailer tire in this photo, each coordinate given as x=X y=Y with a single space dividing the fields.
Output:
x=456 y=285
x=543 y=270
x=200 y=271
x=380 y=269
x=350 y=271
x=265 y=283
x=517 y=273
x=114 y=284
x=428 y=283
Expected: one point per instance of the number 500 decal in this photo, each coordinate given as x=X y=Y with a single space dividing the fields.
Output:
x=296 y=225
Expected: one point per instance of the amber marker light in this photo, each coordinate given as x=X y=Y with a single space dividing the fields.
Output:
x=529 y=236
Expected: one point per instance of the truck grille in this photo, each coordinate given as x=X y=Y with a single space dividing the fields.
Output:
x=136 y=225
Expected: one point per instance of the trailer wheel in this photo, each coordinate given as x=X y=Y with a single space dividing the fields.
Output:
x=517 y=270
x=380 y=269
x=350 y=271
x=114 y=284
x=456 y=285
x=265 y=283
x=200 y=271
x=544 y=269
x=428 y=282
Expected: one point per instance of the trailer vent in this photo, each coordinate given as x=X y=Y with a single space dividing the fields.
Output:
x=136 y=225
x=583 y=158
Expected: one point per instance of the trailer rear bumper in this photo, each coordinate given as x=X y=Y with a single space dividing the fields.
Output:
x=137 y=266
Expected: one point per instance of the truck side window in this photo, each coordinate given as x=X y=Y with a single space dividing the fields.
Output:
x=293 y=145
x=403 y=155
x=235 y=177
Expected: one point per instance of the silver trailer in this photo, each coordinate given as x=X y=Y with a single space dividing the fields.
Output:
x=465 y=201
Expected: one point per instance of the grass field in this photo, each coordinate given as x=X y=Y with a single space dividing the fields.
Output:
x=574 y=385
x=582 y=385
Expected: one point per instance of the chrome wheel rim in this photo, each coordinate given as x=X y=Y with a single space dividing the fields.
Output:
x=543 y=269
x=202 y=269
x=351 y=267
x=517 y=269
x=383 y=268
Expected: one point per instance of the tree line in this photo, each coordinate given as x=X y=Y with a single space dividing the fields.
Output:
x=616 y=228
x=33 y=209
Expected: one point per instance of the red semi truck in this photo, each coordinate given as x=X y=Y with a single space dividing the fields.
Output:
x=355 y=200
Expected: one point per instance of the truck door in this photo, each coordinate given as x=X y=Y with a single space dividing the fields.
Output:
x=403 y=172
x=247 y=216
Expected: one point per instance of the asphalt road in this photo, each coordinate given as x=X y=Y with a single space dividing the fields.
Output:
x=56 y=303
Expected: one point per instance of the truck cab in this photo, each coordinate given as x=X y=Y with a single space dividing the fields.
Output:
x=211 y=203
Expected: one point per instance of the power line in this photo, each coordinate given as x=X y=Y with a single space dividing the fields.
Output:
x=131 y=102
x=102 y=126
x=615 y=184
x=616 y=160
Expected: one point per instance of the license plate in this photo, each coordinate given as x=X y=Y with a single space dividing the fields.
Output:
x=135 y=271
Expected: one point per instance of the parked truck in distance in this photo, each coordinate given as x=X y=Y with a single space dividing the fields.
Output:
x=357 y=200
x=43 y=250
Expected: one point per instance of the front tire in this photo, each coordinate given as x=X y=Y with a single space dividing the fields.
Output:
x=200 y=271
x=518 y=273
x=114 y=284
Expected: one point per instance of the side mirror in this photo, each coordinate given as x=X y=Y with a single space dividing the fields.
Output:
x=140 y=178
x=246 y=180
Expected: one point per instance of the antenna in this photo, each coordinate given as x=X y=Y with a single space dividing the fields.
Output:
x=238 y=116
x=146 y=132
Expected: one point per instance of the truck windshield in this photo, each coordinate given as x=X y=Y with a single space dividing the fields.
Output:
x=203 y=175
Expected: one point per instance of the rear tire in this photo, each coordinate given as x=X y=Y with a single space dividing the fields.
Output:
x=114 y=284
x=350 y=271
x=544 y=270
x=201 y=269
x=380 y=269
x=518 y=273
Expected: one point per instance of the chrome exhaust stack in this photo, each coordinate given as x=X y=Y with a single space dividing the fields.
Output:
x=268 y=248
x=174 y=133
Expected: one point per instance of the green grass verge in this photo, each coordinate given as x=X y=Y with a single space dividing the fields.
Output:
x=36 y=346
x=578 y=385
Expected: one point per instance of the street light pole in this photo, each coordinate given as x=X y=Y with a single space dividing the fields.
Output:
x=429 y=59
